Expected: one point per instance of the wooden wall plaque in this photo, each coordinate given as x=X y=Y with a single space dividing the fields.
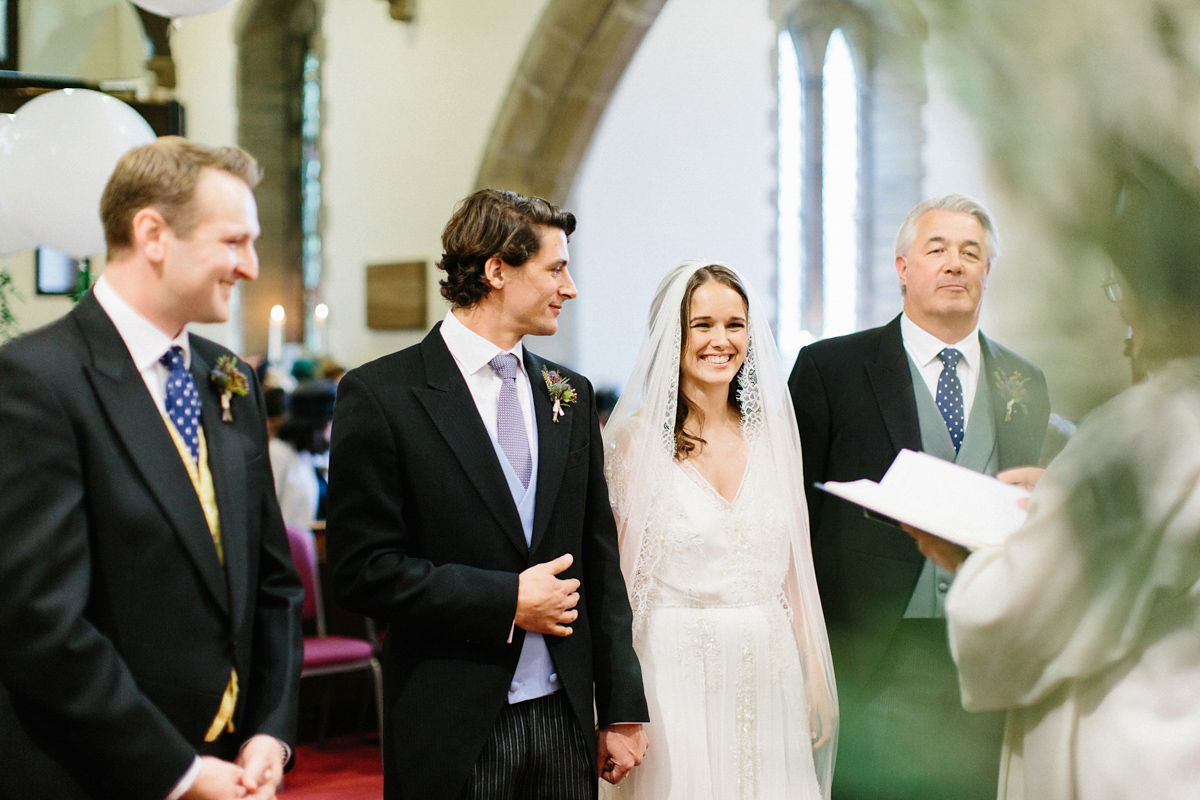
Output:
x=396 y=296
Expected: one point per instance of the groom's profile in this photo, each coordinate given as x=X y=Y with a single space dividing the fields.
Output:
x=468 y=511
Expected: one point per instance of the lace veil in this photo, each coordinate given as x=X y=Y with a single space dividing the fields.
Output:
x=639 y=451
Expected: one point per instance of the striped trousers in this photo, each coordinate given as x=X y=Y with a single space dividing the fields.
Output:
x=535 y=752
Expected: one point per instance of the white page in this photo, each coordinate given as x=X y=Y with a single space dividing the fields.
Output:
x=953 y=502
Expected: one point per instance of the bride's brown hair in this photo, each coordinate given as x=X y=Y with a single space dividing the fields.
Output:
x=687 y=443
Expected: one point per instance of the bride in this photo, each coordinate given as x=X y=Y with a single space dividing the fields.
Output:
x=704 y=470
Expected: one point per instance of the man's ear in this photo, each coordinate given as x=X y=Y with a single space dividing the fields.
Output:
x=493 y=272
x=150 y=233
x=902 y=270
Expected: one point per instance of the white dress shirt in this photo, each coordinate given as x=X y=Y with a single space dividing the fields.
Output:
x=472 y=353
x=145 y=342
x=923 y=348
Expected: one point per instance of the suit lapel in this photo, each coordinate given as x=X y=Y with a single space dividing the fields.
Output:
x=1013 y=433
x=140 y=427
x=554 y=441
x=891 y=381
x=450 y=406
x=227 y=466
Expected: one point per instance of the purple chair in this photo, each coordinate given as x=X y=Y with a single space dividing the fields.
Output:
x=324 y=654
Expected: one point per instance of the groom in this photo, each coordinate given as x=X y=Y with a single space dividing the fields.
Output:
x=468 y=511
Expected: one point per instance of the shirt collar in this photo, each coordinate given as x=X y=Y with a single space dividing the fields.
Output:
x=470 y=349
x=145 y=342
x=924 y=347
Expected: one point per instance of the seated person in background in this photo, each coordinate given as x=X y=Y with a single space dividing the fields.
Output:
x=330 y=370
x=606 y=401
x=299 y=454
x=275 y=398
x=1083 y=624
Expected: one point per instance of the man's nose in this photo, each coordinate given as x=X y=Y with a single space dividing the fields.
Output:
x=247 y=263
x=567 y=287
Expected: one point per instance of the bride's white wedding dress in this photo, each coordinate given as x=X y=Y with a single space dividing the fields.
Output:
x=726 y=617
x=729 y=717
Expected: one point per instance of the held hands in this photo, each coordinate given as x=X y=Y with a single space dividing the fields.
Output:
x=256 y=774
x=822 y=716
x=216 y=780
x=261 y=760
x=546 y=604
x=620 y=748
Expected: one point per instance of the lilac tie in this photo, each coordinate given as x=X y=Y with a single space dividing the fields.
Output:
x=510 y=422
x=950 y=396
x=182 y=401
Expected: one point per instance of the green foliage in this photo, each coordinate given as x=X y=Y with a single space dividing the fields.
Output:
x=8 y=319
x=84 y=281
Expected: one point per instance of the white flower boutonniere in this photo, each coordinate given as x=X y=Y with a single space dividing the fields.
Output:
x=560 y=391
x=1013 y=391
x=228 y=380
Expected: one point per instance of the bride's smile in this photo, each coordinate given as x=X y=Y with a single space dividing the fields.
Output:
x=716 y=338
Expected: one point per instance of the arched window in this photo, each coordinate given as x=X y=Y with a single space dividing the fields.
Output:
x=819 y=226
x=310 y=202
x=840 y=189
x=789 y=288
x=851 y=90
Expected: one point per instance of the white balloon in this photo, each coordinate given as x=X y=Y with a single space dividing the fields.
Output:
x=181 y=8
x=11 y=239
x=55 y=158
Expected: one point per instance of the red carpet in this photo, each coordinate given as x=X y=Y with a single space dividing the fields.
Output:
x=348 y=768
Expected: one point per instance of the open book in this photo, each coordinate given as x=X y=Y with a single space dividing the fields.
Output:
x=953 y=502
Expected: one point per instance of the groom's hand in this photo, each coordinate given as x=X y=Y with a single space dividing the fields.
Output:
x=619 y=748
x=546 y=604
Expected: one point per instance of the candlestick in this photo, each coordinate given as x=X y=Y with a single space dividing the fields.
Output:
x=320 y=343
x=275 y=335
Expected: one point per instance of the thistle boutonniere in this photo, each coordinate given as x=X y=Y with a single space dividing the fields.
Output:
x=560 y=391
x=1013 y=391
x=228 y=380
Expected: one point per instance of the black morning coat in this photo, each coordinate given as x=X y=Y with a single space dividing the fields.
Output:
x=424 y=535
x=118 y=623
x=856 y=410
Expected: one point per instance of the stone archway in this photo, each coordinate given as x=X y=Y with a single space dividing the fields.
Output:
x=574 y=59
x=273 y=37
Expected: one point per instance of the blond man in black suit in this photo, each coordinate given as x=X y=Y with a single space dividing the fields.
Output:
x=150 y=622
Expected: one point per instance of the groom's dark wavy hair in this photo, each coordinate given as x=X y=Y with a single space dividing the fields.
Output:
x=493 y=222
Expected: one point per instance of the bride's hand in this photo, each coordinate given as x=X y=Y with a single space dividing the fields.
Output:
x=821 y=713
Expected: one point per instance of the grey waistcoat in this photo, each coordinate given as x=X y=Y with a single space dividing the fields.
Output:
x=979 y=452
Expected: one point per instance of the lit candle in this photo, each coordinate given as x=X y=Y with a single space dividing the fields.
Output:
x=320 y=314
x=275 y=335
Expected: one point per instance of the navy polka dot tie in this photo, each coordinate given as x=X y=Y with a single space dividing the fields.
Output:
x=510 y=422
x=182 y=401
x=949 y=396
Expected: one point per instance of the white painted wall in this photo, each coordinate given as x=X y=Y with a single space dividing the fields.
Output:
x=205 y=52
x=407 y=114
x=91 y=39
x=682 y=166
